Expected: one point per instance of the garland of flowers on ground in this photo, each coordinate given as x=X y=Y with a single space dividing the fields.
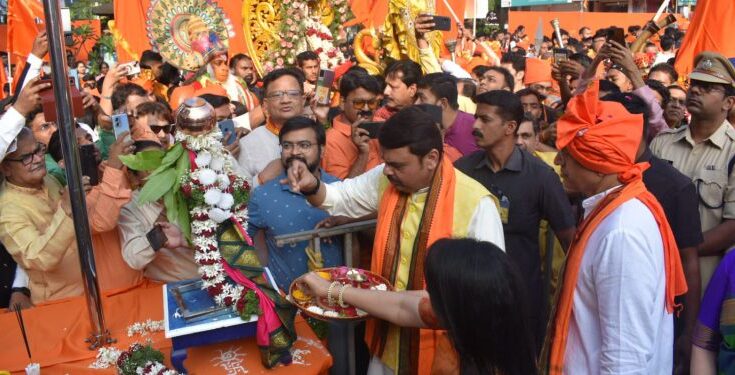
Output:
x=296 y=25
x=200 y=191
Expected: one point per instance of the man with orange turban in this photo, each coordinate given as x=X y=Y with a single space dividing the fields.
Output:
x=623 y=269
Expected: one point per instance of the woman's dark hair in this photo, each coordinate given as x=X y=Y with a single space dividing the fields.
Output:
x=414 y=128
x=477 y=294
x=301 y=122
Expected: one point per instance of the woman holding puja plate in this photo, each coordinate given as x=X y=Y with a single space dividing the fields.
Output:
x=473 y=291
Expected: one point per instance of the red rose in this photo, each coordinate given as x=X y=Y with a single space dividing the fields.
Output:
x=332 y=54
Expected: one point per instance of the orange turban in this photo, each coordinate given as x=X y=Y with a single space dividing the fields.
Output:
x=537 y=71
x=602 y=136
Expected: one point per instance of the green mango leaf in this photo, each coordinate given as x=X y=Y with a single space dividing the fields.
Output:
x=143 y=161
x=182 y=168
x=172 y=209
x=172 y=155
x=183 y=219
x=157 y=186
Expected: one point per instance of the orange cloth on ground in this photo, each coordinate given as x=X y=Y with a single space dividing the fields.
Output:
x=537 y=71
x=710 y=30
x=441 y=227
x=340 y=153
x=56 y=333
x=604 y=137
x=104 y=202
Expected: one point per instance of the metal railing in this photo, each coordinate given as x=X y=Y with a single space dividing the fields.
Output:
x=315 y=236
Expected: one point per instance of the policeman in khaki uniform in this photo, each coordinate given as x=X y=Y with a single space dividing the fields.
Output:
x=705 y=152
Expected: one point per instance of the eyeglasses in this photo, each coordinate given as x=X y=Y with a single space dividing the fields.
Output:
x=27 y=159
x=158 y=128
x=372 y=104
x=279 y=95
x=303 y=145
x=706 y=87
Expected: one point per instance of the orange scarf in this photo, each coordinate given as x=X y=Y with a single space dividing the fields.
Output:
x=604 y=137
x=436 y=223
x=271 y=127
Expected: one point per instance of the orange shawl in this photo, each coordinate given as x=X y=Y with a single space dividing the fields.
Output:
x=604 y=137
x=436 y=223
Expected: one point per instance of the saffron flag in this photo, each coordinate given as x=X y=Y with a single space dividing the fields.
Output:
x=130 y=23
x=25 y=21
x=709 y=30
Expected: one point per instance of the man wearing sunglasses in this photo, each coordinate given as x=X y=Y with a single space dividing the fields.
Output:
x=705 y=152
x=157 y=117
x=350 y=151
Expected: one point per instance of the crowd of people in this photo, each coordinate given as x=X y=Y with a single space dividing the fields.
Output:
x=533 y=213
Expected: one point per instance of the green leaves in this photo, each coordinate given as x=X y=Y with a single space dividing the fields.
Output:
x=157 y=186
x=144 y=160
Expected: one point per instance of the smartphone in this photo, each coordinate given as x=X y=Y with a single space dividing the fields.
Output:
x=228 y=126
x=132 y=68
x=617 y=34
x=88 y=159
x=442 y=23
x=156 y=238
x=120 y=124
x=324 y=86
x=48 y=101
x=561 y=54
x=373 y=128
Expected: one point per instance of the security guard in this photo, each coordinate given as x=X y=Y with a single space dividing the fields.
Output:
x=705 y=152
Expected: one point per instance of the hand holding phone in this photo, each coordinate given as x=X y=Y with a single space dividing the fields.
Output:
x=373 y=128
x=226 y=126
x=88 y=159
x=442 y=23
x=131 y=68
x=120 y=124
x=324 y=86
x=616 y=34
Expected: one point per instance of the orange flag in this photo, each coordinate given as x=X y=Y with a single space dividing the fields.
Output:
x=709 y=30
x=130 y=21
x=25 y=20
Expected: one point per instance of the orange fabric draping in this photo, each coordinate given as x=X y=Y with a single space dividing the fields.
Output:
x=4 y=38
x=573 y=21
x=23 y=16
x=57 y=331
x=130 y=20
x=709 y=30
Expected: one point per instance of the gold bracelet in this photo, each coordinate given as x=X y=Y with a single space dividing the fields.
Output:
x=341 y=294
x=329 y=293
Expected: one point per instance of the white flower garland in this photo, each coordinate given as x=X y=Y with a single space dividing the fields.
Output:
x=213 y=177
x=143 y=328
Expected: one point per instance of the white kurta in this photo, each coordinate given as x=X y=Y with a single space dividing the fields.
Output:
x=257 y=149
x=619 y=322
x=359 y=196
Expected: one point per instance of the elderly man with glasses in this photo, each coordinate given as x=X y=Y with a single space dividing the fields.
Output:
x=283 y=99
x=35 y=223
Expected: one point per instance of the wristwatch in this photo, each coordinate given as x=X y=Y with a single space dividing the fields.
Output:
x=313 y=191
x=23 y=290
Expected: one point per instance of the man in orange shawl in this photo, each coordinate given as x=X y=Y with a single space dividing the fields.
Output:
x=623 y=269
x=419 y=198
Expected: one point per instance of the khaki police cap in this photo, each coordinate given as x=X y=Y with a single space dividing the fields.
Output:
x=713 y=67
